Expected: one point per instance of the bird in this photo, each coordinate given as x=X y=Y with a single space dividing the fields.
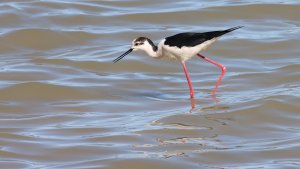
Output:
x=181 y=47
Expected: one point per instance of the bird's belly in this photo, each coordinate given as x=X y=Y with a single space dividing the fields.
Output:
x=184 y=53
x=169 y=55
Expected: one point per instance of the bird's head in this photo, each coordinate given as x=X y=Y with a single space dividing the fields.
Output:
x=140 y=43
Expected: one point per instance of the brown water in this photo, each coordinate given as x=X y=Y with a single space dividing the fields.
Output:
x=64 y=104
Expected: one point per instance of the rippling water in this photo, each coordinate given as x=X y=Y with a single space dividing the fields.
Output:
x=64 y=104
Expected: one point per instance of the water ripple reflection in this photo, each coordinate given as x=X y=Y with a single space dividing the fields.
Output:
x=64 y=104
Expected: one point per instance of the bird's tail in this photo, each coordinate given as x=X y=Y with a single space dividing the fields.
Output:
x=232 y=29
x=220 y=33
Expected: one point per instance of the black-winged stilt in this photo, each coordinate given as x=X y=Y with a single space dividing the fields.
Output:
x=182 y=47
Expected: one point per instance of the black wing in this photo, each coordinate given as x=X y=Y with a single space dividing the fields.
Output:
x=191 y=39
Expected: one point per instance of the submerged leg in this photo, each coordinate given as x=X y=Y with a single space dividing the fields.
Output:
x=219 y=65
x=188 y=79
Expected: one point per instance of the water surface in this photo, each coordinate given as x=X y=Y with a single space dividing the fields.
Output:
x=64 y=104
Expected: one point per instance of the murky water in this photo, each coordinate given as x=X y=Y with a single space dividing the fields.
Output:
x=64 y=104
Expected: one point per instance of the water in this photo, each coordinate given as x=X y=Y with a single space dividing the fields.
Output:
x=64 y=104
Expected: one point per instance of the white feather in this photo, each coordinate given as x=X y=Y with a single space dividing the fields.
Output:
x=184 y=53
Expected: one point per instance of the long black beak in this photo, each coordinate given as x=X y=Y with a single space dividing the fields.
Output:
x=123 y=55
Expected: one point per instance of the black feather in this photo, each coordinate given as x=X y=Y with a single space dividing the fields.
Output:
x=191 y=39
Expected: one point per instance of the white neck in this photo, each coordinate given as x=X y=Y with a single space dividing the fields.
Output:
x=150 y=50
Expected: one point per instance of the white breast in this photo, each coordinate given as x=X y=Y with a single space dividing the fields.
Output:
x=183 y=53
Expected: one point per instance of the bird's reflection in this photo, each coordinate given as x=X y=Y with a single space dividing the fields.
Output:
x=194 y=105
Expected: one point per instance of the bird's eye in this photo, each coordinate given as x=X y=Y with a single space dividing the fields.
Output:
x=138 y=43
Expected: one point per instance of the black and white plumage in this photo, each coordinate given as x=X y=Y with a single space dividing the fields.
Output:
x=182 y=46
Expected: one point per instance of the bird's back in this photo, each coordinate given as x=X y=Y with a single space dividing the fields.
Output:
x=191 y=39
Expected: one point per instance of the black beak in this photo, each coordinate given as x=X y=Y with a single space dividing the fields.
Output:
x=123 y=55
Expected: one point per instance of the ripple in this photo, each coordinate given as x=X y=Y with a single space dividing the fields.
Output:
x=64 y=104
x=54 y=92
x=54 y=38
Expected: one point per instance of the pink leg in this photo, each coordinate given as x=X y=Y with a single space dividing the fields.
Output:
x=193 y=104
x=219 y=65
x=188 y=79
